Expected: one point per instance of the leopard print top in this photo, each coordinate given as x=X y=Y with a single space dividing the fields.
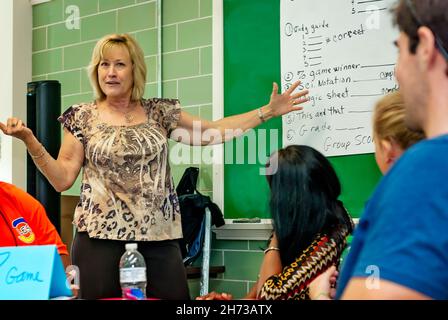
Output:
x=127 y=190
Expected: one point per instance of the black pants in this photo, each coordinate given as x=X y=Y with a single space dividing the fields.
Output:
x=98 y=262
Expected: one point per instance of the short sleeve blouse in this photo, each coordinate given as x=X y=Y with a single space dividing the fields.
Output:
x=127 y=190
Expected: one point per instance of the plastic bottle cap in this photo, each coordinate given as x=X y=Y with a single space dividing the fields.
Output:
x=131 y=246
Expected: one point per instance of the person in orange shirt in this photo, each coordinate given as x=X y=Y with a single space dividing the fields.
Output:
x=24 y=222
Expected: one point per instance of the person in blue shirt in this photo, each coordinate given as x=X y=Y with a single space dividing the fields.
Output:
x=400 y=247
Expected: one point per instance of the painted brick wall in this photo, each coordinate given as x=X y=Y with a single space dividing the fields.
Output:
x=242 y=260
x=61 y=53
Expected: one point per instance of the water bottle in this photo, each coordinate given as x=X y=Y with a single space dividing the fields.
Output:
x=132 y=274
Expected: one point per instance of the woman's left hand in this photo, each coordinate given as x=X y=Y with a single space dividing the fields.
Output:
x=288 y=101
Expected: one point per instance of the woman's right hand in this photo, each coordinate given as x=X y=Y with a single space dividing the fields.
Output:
x=16 y=128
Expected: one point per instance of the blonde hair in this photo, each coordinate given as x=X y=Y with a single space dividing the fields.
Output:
x=388 y=122
x=137 y=58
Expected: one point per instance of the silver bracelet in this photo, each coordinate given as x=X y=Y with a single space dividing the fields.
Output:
x=270 y=249
x=39 y=155
x=261 y=115
x=43 y=165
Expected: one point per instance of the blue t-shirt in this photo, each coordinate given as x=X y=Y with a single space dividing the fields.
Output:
x=403 y=235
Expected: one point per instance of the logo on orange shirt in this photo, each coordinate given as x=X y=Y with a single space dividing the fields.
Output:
x=24 y=230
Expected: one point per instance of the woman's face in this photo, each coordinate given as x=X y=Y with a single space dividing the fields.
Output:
x=115 y=73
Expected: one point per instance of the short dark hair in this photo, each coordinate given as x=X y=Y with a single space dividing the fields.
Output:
x=411 y=14
x=304 y=199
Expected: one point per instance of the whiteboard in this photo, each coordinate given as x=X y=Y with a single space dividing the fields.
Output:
x=343 y=52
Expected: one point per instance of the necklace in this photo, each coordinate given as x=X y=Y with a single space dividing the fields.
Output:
x=128 y=117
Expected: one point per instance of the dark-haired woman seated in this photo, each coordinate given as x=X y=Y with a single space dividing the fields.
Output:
x=310 y=225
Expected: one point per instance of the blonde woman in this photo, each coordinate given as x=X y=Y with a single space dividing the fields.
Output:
x=392 y=136
x=127 y=192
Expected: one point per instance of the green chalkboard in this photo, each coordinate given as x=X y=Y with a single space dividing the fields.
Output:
x=251 y=64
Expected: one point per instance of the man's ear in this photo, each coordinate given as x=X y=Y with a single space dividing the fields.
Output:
x=426 y=50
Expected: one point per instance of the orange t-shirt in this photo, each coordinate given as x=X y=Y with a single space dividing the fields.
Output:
x=24 y=222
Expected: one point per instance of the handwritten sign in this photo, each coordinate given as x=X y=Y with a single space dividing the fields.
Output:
x=343 y=52
x=31 y=272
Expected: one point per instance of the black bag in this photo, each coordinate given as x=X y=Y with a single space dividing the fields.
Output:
x=192 y=208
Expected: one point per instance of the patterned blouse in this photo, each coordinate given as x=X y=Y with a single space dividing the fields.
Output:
x=127 y=190
x=292 y=283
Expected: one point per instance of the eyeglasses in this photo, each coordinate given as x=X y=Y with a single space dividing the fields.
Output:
x=439 y=42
